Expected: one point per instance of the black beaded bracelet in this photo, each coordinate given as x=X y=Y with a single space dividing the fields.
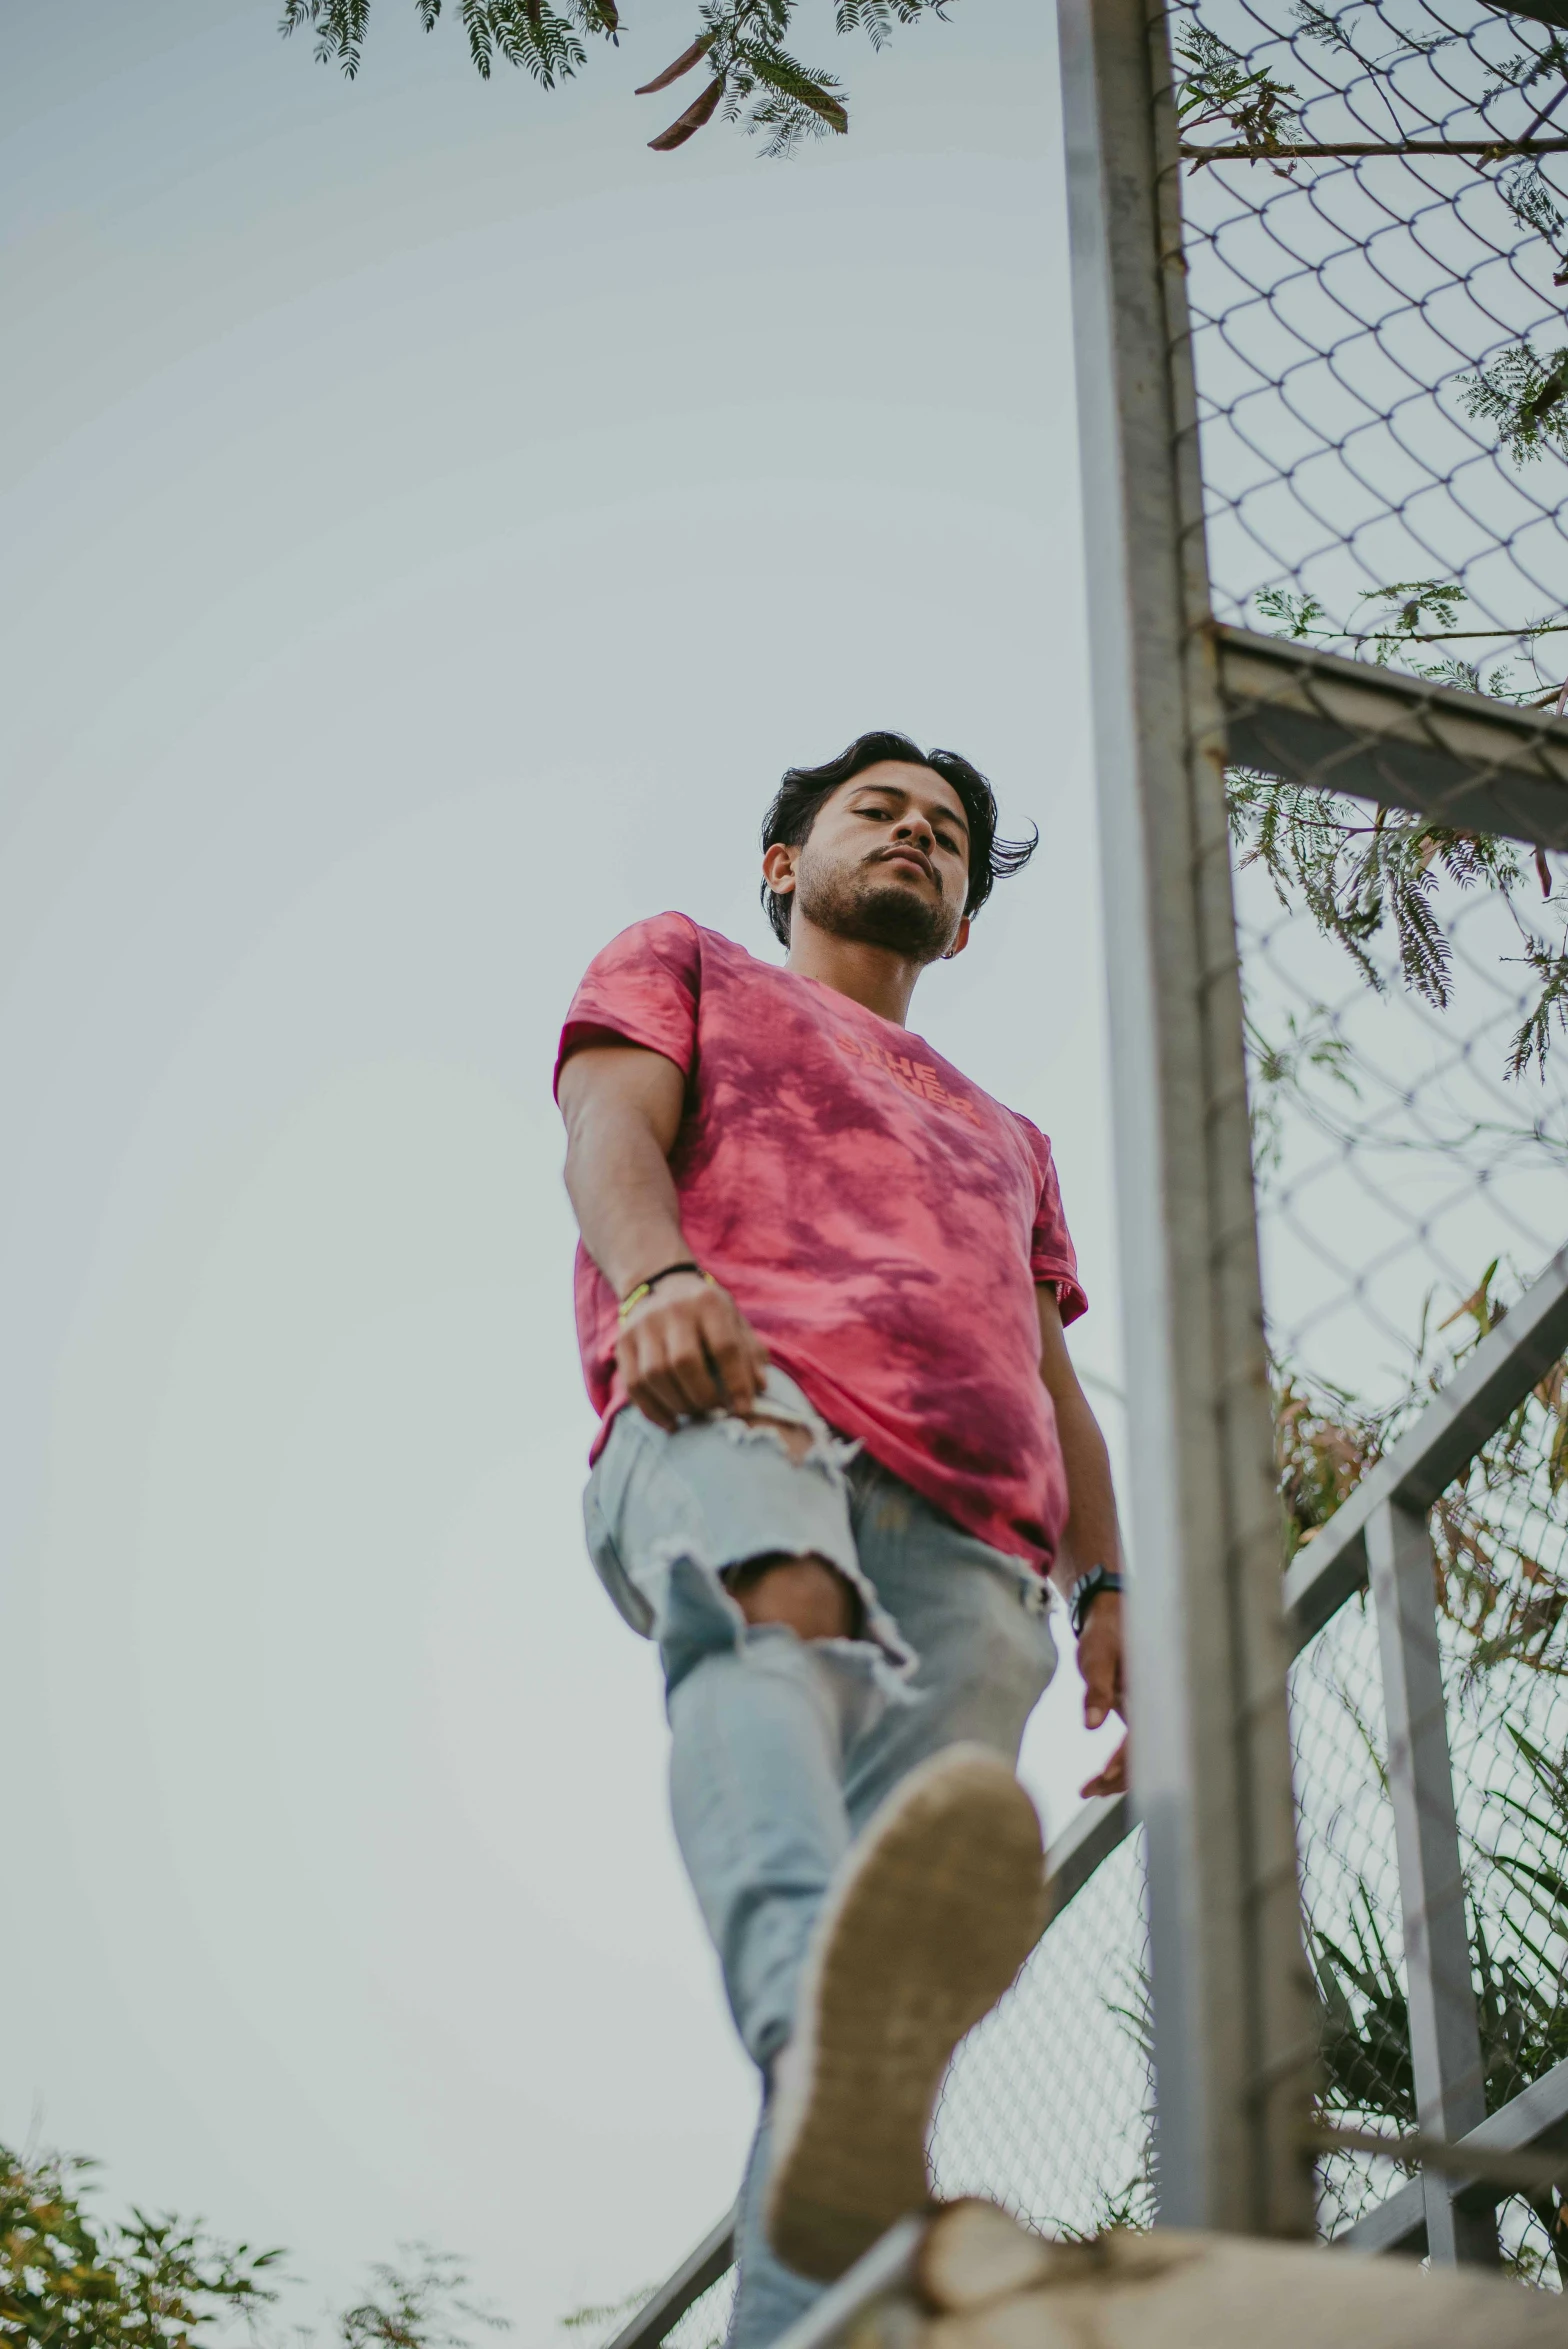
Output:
x=1084 y=1593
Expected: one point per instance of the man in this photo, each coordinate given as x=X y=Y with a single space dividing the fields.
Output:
x=820 y=1298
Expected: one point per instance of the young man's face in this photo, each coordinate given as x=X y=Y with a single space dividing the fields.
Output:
x=887 y=862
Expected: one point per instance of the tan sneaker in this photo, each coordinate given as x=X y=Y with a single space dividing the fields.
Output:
x=934 y=1911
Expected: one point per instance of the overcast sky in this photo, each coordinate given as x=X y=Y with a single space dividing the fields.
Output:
x=430 y=524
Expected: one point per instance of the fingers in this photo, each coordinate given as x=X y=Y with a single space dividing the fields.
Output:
x=1104 y=1686
x=1100 y=1661
x=689 y=1352
x=655 y=1393
x=1113 y=1778
x=664 y=1364
x=736 y=1353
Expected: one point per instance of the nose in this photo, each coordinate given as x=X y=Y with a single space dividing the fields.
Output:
x=917 y=830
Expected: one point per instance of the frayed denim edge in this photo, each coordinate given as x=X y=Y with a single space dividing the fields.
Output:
x=882 y=1655
x=827 y=1451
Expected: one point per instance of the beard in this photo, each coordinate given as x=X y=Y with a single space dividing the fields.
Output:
x=854 y=902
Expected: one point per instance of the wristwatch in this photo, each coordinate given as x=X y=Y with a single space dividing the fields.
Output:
x=1084 y=1593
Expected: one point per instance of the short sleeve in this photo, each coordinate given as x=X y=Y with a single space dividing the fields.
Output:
x=1053 y=1261
x=640 y=989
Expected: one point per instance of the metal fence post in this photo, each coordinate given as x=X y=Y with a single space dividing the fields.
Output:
x=1445 y=2041
x=1232 y=2003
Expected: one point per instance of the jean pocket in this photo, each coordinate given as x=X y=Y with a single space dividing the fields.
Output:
x=625 y=1597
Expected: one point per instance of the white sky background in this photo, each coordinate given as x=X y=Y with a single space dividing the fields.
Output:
x=430 y=522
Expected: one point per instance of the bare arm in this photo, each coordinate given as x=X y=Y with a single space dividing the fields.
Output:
x=1091 y=1538
x=687 y=1348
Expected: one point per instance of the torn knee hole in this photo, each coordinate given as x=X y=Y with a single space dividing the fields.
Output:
x=748 y=1572
x=805 y=1592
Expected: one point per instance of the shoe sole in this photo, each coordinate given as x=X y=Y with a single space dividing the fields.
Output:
x=938 y=1907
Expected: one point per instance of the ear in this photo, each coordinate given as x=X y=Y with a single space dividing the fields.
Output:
x=778 y=868
x=961 y=941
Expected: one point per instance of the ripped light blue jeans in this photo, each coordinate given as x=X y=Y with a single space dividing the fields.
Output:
x=782 y=1748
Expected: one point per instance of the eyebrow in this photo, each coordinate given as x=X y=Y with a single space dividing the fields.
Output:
x=942 y=815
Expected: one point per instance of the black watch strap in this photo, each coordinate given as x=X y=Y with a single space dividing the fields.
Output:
x=1084 y=1593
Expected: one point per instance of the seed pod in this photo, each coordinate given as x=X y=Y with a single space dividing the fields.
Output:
x=697 y=113
x=683 y=64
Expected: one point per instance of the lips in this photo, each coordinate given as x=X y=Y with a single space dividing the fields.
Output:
x=908 y=856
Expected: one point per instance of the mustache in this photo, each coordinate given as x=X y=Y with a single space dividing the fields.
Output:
x=907 y=848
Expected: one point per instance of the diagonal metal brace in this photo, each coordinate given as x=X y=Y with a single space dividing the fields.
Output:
x=1340 y=725
x=1496 y=1378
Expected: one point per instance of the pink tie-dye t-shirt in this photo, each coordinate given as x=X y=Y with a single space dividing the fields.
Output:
x=879 y=1220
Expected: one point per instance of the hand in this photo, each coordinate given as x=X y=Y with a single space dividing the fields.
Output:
x=688 y=1349
x=1104 y=1684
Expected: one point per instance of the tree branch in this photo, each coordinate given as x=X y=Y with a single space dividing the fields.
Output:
x=1497 y=148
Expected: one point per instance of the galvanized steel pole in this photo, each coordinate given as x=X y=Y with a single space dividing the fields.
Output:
x=1232 y=2003
x=1445 y=2040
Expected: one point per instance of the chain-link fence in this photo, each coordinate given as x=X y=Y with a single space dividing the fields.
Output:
x=1375 y=251
x=1047 y=2106
x=1408 y=1188
x=1375 y=225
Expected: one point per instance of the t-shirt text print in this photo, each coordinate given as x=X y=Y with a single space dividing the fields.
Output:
x=920 y=1078
x=879 y=1219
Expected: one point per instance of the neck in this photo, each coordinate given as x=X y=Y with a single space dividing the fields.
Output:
x=873 y=975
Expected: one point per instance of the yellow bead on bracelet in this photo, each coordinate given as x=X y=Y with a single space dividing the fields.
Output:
x=634 y=1297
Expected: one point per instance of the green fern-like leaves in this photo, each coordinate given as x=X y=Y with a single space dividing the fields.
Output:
x=1369 y=877
x=538 y=40
x=757 y=82
x=526 y=33
x=339 y=27
x=1217 y=87
x=1549 y=1011
x=1524 y=396
x=877 y=18
x=1363 y=877
x=753 y=78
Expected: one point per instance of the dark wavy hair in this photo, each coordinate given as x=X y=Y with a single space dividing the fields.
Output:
x=803 y=790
